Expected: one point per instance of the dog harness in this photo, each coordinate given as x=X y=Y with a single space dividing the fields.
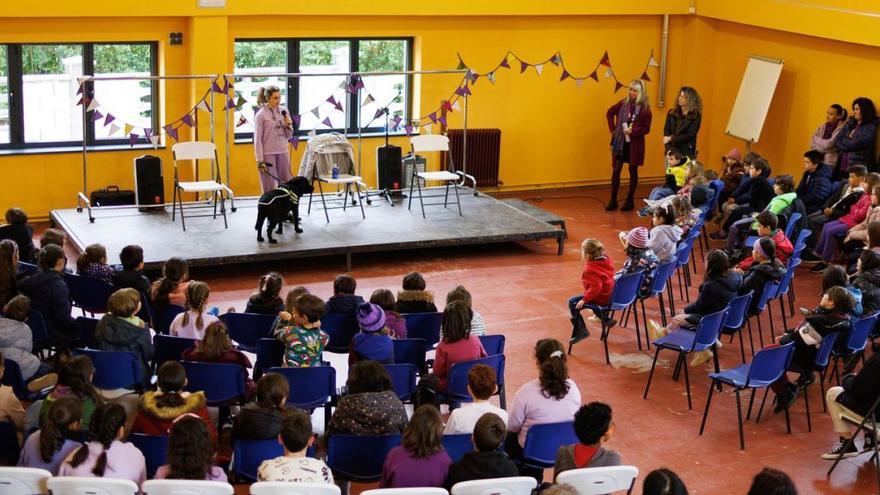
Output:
x=286 y=192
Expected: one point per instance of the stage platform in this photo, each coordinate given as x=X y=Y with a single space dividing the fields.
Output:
x=386 y=228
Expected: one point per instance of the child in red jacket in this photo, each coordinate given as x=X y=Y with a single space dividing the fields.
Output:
x=767 y=227
x=598 y=281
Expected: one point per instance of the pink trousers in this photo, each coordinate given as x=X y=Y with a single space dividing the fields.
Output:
x=280 y=169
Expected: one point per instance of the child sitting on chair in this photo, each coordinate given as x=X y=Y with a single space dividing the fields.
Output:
x=593 y=426
x=93 y=264
x=301 y=332
x=295 y=466
x=598 y=281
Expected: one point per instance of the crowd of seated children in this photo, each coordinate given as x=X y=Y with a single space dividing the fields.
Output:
x=158 y=409
x=171 y=287
x=18 y=230
x=678 y=167
x=190 y=452
x=369 y=406
x=300 y=332
x=394 y=321
x=867 y=281
x=686 y=216
x=593 y=426
x=295 y=436
x=414 y=298
x=59 y=436
x=373 y=342
x=665 y=234
x=856 y=238
x=487 y=461
x=261 y=419
x=131 y=271
x=92 y=263
x=121 y=330
x=732 y=171
x=195 y=319
x=482 y=384
x=420 y=460
x=344 y=300
x=598 y=283
x=267 y=301
x=784 y=199
x=216 y=347
x=843 y=196
x=768 y=226
x=835 y=276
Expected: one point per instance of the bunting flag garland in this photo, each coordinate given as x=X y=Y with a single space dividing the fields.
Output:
x=395 y=122
x=296 y=120
x=148 y=133
x=617 y=86
x=433 y=117
x=565 y=75
x=80 y=102
x=113 y=129
x=408 y=129
x=154 y=140
x=79 y=91
x=230 y=103
x=645 y=77
x=455 y=107
x=108 y=118
x=171 y=132
x=504 y=63
x=326 y=122
x=241 y=121
x=557 y=59
x=471 y=76
x=608 y=73
x=523 y=66
x=442 y=121
x=240 y=102
x=491 y=77
x=461 y=65
x=429 y=128
x=579 y=82
x=187 y=119
x=331 y=100
x=216 y=87
x=338 y=106
x=652 y=62
x=379 y=113
x=594 y=76
x=97 y=116
x=606 y=61
x=463 y=90
x=447 y=105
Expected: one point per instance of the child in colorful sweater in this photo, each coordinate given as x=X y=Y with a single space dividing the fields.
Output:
x=301 y=332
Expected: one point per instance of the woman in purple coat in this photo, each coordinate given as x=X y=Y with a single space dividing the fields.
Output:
x=857 y=138
x=272 y=130
x=628 y=121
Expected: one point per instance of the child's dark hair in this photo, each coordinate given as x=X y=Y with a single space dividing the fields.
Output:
x=424 y=433
x=63 y=413
x=103 y=428
x=52 y=236
x=459 y=293
x=482 y=381
x=124 y=302
x=717 y=264
x=489 y=432
x=772 y=482
x=76 y=373
x=869 y=260
x=270 y=285
x=814 y=156
x=665 y=214
x=190 y=449
x=49 y=256
x=834 y=276
x=414 y=281
x=840 y=110
x=197 y=294
x=93 y=254
x=769 y=249
x=292 y=295
x=344 y=284
x=16 y=216
x=785 y=183
x=554 y=368
x=171 y=380
x=17 y=308
x=843 y=300
x=456 y=322
x=272 y=388
x=858 y=170
x=383 y=298
x=296 y=430
x=663 y=481
x=591 y=422
x=368 y=376
x=173 y=273
x=675 y=154
x=310 y=306
x=768 y=219
x=761 y=165
x=131 y=256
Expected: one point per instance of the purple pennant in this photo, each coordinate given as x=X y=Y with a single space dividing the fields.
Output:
x=171 y=132
x=408 y=129
x=395 y=122
x=594 y=76
x=80 y=102
x=216 y=87
x=459 y=91
x=80 y=90
x=187 y=119
x=523 y=67
x=379 y=113
x=296 y=120
x=463 y=90
x=132 y=139
x=338 y=106
x=230 y=103
x=433 y=117
x=505 y=64
x=331 y=100
x=108 y=118
x=326 y=122
x=617 y=86
x=294 y=141
x=442 y=121
x=565 y=75
x=147 y=133
x=97 y=116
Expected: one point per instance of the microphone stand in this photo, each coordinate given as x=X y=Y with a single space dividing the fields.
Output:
x=384 y=192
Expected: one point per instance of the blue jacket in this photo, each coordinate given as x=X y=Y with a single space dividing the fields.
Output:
x=741 y=193
x=51 y=298
x=715 y=294
x=371 y=346
x=859 y=148
x=815 y=187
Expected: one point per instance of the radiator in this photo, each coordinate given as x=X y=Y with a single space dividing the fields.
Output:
x=483 y=153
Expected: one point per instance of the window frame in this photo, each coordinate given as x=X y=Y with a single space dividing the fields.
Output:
x=16 y=96
x=352 y=102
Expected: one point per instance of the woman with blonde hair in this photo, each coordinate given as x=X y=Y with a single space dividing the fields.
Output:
x=273 y=128
x=683 y=122
x=628 y=121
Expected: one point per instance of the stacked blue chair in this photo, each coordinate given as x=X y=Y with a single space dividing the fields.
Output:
x=163 y=315
x=154 y=448
x=249 y=454
x=544 y=440
x=270 y=354
x=493 y=344
x=222 y=383
x=87 y=327
x=39 y=332
x=169 y=348
x=736 y=317
x=88 y=294
x=403 y=379
x=457 y=383
x=114 y=369
x=458 y=445
x=425 y=326
x=855 y=342
x=341 y=328
x=783 y=289
x=410 y=351
x=311 y=387
x=345 y=456
x=770 y=289
x=245 y=329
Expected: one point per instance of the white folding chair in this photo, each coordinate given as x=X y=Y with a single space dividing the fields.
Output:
x=81 y=485
x=345 y=180
x=284 y=488
x=434 y=142
x=517 y=485
x=406 y=491
x=600 y=480
x=23 y=481
x=187 y=487
x=195 y=151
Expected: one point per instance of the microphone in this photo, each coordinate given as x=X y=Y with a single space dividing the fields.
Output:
x=284 y=114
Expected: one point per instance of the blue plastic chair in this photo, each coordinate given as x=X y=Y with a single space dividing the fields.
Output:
x=9 y=450
x=25 y=268
x=735 y=318
x=88 y=294
x=624 y=294
x=543 y=440
x=341 y=328
x=114 y=369
x=270 y=354
x=222 y=383
x=39 y=332
x=163 y=315
x=770 y=290
x=682 y=259
x=659 y=284
x=820 y=366
x=410 y=351
x=457 y=382
x=154 y=448
x=311 y=387
x=492 y=344
x=245 y=329
x=766 y=367
x=169 y=348
x=801 y=242
x=146 y=311
x=791 y=223
x=346 y=456
x=783 y=289
x=403 y=378
x=856 y=342
x=424 y=326
x=457 y=445
x=684 y=341
x=12 y=377
x=247 y=455
x=87 y=327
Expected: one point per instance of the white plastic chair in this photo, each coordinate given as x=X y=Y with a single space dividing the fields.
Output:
x=600 y=480
x=23 y=481
x=198 y=150
x=187 y=487
x=517 y=485
x=434 y=142
x=285 y=488
x=81 y=485
x=406 y=491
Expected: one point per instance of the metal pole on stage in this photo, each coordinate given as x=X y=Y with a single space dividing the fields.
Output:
x=82 y=197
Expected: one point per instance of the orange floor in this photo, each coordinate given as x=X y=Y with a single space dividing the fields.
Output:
x=521 y=291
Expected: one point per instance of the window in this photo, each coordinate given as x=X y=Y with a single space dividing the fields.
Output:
x=307 y=95
x=39 y=90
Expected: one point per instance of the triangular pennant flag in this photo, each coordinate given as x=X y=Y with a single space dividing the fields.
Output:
x=93 y=105
x=132 y=138
x=80 y=102
x=230 y=103
x=113 y=129
x=97 y=116
x=187 y=119
x=442 y=121
x=433 y=116
x=154 y=140
x=471 y=76
x=379 y=113
x=326 y=122
x=241 y=121
x=408 y=129
x=171 y=132
x=504 y=63
x=108 y=118
x=617 y=86
x=331 y=100
x=522 y=67
x=594 y=76
x=491 y=77
x=369 y=99
x=645 y=77
x=203 y=106
x=148 y=133
x=216 y=87
x=565 y=75
x=294 y=140
x=608 y=73
x=447 y=106
x=343 y=84
x=317 y=113
x=80 y=90
x=556 y=59
x=296 y=119
x=653 y=62
x=128 y=128
x=240 y=103
x=539 y=68
x=395 y=122
x=359 y=84
x=82 y=79
x=605 y=60
x=579 y=82
x=455 y=106
x=460 y=65
x=464 y=90
x=428 y=128
x=338 y=106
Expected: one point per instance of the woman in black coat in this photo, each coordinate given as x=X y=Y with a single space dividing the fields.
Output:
x=683 y=123
x=859 y=135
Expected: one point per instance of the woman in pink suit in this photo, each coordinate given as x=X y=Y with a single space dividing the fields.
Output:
x=272 y=130
x=628 y=121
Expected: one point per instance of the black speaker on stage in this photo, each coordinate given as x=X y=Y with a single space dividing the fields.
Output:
x=149 y=185
x=388 y=161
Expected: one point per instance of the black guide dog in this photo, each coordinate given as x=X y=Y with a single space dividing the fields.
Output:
x=276 y=205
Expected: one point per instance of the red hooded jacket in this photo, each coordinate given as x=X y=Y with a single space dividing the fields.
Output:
x=598 y=280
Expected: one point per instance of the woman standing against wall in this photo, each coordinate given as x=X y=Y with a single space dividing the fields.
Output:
x=628 y=121
x=824 y=138
x=272 y=129
x=683 y=123
x=859 y=135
